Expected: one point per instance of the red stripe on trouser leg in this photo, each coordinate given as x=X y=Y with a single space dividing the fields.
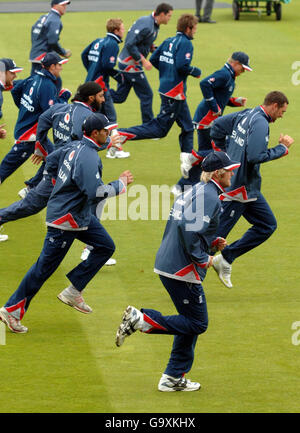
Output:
x=154 y=324
x=19 y=306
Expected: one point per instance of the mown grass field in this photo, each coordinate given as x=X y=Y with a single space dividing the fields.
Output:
x=246 y=361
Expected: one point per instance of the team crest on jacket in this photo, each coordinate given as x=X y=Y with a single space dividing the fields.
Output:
x=71 y=156
x=188 y=55
x=51 y=102
x=112 y=59
x=96 y=46
x=30 y=91
x=212 y=79
x=67 y=118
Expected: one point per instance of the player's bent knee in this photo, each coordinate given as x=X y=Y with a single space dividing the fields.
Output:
x=200 y=326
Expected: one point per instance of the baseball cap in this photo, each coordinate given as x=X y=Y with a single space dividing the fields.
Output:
x=10 y=65
x=217 y=160
x=96 y=121
x=60 y=2
x=52 y=58
x=243 y=58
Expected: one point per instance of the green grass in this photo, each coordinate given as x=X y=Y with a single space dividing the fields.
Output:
x=245 y=361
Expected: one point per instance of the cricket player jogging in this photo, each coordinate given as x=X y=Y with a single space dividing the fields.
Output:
x=32 y=96
x=69 y=217
x=138 y=44
x=173 y=60
x=45 y=34
x=8 y=73
x=99 y=59
x=248 y=137
x=181 y=262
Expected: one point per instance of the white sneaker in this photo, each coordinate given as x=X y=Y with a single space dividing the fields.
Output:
x=131 y=322
x=186 y=164
x=223 y=269
x=3 y=238
x=176 y=190
x=170 y=384
x=74 y=298
x=188 y=160
x=86 y=252
x=12 y=323
x=111 y=262
x=23 y=192
x=113 y=153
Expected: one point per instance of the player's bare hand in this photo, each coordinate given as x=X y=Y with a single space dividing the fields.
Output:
x=210 y=262
x=115 y=140
x=36 y=159
x=126 y=177
x=68 y=54
x=243 y=102
x=2 y=131
x=146 y=64
x=286 y=140
x=221 y=244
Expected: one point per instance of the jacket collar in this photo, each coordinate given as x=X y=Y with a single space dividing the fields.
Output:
x=266 y=115
x=84 y=104
x=56 y=12
x=183 y=34
x=112 y=35
x=155 y=22
x=218 y=186
x=45 y=73
x=230 y=69
x=92 y=143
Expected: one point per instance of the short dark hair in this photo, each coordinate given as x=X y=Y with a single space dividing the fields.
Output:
x=163 y=8
x=276 y=97
x=186 y=21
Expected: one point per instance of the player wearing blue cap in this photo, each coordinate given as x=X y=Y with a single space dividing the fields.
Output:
x=8 y=73
x=69 y=217
x=181 y=262
x=32 y=96
x=217 y=90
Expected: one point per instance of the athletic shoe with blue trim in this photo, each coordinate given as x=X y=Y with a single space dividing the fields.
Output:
x=131 y=322
x=171 y=384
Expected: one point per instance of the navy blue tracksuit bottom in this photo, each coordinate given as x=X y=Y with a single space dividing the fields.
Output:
x=17 y=156
x=36 y=200
x=192 y=320
x=141 y=86
x=107 y=107
x=56 y=245
x=258 y=213
x=171 y=111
